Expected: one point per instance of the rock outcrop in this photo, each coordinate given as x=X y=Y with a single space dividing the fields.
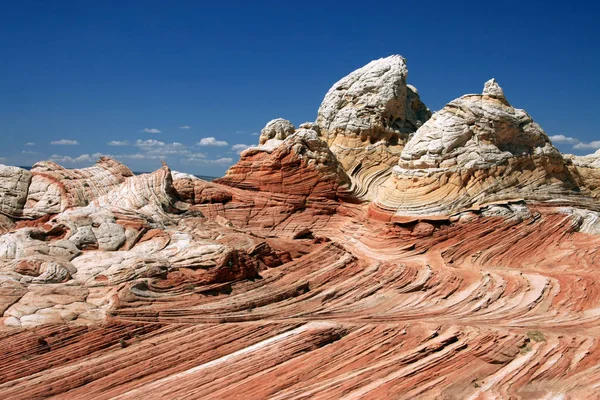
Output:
x=14 y=184
x=53 y=188
x=276 y=129
x=477 y=150
x=586 y=171
x=193 y=190
x=367 y=117
x=150 y=194
x=301 y=164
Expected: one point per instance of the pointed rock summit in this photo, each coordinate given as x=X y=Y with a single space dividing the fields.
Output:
x=476 y=150
x=276 y=129
x=374 y=102
x=492 y=89
x=367 y=116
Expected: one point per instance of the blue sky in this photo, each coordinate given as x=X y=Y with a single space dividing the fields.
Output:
x=188 y=81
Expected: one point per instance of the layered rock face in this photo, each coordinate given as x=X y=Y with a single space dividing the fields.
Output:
x=366 y=119
x=54 y=189
x=291 y=162
x=472 y=275
x=476 y=151
x=14 y=183
x=586 y=171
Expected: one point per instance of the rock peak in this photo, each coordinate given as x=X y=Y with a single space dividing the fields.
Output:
x=366 y=118
x=278 y=128
x=492 y=89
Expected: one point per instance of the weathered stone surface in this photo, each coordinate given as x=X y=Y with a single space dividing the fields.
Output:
x=14 y=183
x=300 y=165
x=152 y=195
x=476 y=150
x=366 y=119
x=197 y=191
x=586 y=171
x=276 y=129
x=492 y=89
x=312 y=126
x=53 y=188
x=6 y=223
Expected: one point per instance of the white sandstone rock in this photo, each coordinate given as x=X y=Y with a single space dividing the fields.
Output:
x=371 y=99
x=276 y=129
x=14 y=184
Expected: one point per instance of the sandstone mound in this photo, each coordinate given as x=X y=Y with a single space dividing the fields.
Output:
x=586 y=171
x=150 y=194
x=276 y=129
x=477 y=150
x=193 y=190
x=300 y=164
x=14 y=184
x=54 y=188
x=366 y=119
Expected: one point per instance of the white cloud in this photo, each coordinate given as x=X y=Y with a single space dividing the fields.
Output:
x=156 y=147
x=118 y=143
x=255 y=133
x=211 y=141
x=2 y=159
x=169 y=148
x=139 y=156
x=224 y=161
x=221 y=161
x=149 y=143
x=135 y=156
x=239 y=147
x=185 y=127
x=71 y=160
x=563 y=139
x=29 y=144
x=586 y=146
x=65 y=142
x=151 y=130
x=29 y=152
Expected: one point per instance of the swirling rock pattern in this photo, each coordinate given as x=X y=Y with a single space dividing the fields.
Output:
x=367 y=117
x=477 y=150
x=586 y=171
x=14 y=183
x=300 y=165
x=473 y=275
x=53 y=188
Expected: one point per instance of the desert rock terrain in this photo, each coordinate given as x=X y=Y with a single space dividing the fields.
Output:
x=381 y=251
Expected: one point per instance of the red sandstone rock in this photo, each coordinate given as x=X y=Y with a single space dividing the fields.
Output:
x=300 y=165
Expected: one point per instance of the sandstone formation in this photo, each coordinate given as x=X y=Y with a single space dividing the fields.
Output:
x=14 y=183
x=300 y=164
x=477 y=150
x=366 y=119
x=276 y=129
x=54 y=189
x=473 y=275
x=586 y=171
x=196 y=191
